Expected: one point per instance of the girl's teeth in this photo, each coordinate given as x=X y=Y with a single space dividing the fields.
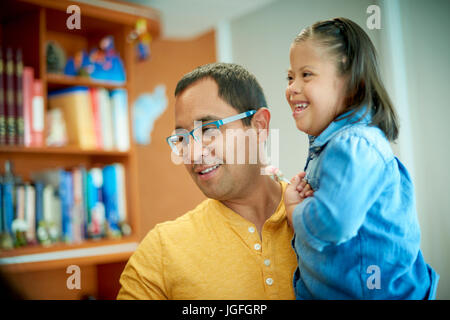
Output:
x=301 y=105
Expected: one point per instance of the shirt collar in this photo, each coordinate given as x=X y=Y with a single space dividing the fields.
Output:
x=339 y=125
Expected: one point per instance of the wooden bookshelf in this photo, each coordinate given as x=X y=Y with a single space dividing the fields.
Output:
x=69 y=150
x=29 y=24
x=59 y=80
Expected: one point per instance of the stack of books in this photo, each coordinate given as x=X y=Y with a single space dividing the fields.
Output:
x=63 y=206
x=21 y=102
x=95 y=118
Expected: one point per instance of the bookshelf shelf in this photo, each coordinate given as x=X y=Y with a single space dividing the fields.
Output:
x=38 y=257
x=62 y=150
x=59 y=80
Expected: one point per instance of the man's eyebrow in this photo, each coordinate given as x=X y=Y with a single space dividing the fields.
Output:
x=203 y=119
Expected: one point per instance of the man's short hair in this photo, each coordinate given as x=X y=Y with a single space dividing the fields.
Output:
x=237 y=86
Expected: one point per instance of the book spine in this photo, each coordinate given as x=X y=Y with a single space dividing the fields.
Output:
x=39 y=211
x=119 y=99
x=28 y=79
x=93 y=92
x=37 y=116
x=30 y=213
x=19 y=99
x=8 y=205
x=2 y=103
x=65 y=192
x=110 y=197
x=10 y=114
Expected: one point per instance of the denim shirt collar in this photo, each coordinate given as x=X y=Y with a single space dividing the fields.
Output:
x=338 y=125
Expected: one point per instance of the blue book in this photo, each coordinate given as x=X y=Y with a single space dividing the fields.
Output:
x=8 y=205
x=110 y=197
x=39 y=187
x=2 y=216
x=66 y=196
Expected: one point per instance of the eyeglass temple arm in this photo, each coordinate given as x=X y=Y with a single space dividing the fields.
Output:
x=236 y=117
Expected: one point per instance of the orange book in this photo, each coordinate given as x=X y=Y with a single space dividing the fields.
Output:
x=93 y=92
x=75 y=104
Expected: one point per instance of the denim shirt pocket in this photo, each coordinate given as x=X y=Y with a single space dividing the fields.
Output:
x=312 y=173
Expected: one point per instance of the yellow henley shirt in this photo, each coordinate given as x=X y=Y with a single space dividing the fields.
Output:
x=212 y=252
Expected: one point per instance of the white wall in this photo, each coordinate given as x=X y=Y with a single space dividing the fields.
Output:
x=261 y=40
x=425 y=25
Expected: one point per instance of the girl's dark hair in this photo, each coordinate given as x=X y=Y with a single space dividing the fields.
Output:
x=356 y=58
x=237 y=86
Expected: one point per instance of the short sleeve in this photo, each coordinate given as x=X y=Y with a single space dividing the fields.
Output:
x=143 y=276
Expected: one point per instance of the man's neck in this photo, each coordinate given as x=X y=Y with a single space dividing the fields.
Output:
x=259 y=203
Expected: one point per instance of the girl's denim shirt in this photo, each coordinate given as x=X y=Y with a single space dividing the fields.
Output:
x=358 y=237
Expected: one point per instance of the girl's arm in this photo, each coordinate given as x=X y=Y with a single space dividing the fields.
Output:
x=352 y=177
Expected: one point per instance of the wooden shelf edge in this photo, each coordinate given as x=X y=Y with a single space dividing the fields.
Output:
x=62 y=150
x=64 y=80
x=98 y=254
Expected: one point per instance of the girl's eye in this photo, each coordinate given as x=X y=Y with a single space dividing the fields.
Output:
x=289 y=78
x=306 y=74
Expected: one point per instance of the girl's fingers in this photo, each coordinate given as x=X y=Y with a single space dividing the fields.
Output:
x=301 y=185
x=306 y=189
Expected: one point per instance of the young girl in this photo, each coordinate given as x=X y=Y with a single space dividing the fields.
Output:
x=356 y=230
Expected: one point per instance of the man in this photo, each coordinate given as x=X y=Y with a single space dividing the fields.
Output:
x=237 y=243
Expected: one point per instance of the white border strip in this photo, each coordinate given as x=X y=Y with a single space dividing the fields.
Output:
x=73 y=253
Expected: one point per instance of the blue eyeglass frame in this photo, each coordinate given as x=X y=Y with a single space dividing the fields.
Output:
x=217 y=123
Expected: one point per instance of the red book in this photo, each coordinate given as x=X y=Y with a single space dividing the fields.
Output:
x=97 y=118
x=28 y=80
x=37 y=115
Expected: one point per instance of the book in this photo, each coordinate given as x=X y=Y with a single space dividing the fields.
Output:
x=96 y=207
x=106 y=119
x=19 y=116
x=110 y=199
x=78 y=210
x=30 y=213
x=121 y=193
x=52 y=214
x=93 y=92
x=10 y=105
x=19 y=226
x=119 y=101
x=28 y=80
x=37 y=115
x=41 y=231
x=61 y=181
x=75 y=103
x=2 y=103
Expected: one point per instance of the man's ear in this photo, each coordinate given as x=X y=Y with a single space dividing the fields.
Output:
x=261 y=119
x=261 y=122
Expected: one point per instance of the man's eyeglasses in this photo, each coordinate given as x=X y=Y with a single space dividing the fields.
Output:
x=180 y=140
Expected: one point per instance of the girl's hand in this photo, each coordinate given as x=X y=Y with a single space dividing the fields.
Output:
x=295 y=193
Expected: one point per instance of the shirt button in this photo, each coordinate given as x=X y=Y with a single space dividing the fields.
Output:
x=269 y=281
x=267 y=262
x=251 y=229
x=257 y=246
